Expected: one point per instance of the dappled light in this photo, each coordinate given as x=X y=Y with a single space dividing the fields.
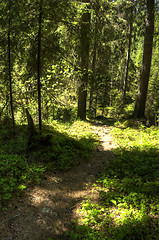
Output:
x=111 y=194
x=79 y=118
x=52 y=204
x=128 y=200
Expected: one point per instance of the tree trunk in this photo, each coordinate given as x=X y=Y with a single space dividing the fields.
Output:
x=92 y=78
x=139 y=111
x=82 y=96
x=31 y=128
x=9 y=65
x=128 y=57
x=92 y=87
x=84 y=61
x=39 y=65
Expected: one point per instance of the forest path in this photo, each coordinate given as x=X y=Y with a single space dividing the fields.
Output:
x=46 y=210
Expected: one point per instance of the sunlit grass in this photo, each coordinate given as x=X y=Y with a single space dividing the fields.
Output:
x=142 y=138
x=77 y=129
x=129 y=199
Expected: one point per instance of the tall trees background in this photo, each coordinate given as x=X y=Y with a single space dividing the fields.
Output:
x=63 y=59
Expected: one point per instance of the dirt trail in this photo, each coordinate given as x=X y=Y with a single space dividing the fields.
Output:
x=46 y=211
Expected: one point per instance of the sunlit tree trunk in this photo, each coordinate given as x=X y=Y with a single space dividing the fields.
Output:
x=139 y=110
x=84 y=61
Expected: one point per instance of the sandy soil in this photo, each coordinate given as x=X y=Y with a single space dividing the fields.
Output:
x=46 y=211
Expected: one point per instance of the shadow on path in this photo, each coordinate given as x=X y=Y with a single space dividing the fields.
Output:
x=46 y=210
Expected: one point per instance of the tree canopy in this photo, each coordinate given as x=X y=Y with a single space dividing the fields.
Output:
x=68 y=59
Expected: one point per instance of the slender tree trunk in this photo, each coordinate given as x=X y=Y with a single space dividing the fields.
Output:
x=127 y=57
x=139 y=110
x=9 y=64
x=111 y=87
x=96 y=102
x=39 y=65
x=84 y=59
x=92 y=87
x=92 y=77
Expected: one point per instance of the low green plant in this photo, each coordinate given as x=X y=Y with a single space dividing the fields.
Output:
x=60 y=147
x=129 y=199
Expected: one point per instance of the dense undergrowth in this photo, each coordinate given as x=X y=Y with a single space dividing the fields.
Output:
x=60 y=147
x=129 y=200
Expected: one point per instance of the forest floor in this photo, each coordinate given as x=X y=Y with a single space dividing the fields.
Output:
x=47 y=210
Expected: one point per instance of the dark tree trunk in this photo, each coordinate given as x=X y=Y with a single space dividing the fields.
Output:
x=96 y=102
x=84 y=61
x=31 y=128
x=9 y=64
x=82 y=96
x=139 y=111
x=92 y=87
x=39 y=65
x=127 y=57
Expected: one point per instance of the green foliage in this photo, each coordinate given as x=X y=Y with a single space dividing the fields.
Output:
x=129 y=204
x=70 y=143
x=15 y=173
x=60 y=147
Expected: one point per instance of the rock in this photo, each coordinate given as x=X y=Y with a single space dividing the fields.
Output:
x=49 y=211
x=54 y=214
x=9 y=238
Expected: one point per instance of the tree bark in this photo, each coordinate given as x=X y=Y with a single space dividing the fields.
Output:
x=92 y=87
x=84 y=62
x=128 y=56
x=31 y=130
x=9 y=65
x=139 y=111
x=82 y=96
x=39 y=66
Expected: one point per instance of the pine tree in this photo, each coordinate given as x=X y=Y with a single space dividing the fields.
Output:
x=139 y=111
